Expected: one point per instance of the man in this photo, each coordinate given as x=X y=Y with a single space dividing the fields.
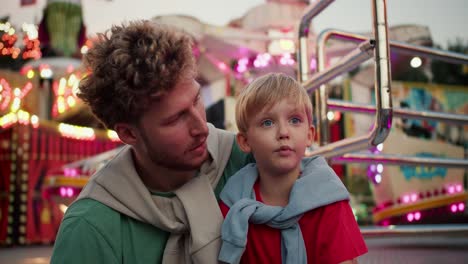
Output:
x=154 y=202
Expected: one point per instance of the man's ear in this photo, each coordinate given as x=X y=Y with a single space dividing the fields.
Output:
x=243 y=143
x=310 y=135
x=127 y=133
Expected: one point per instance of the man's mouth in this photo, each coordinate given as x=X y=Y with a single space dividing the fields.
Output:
x=199 y=145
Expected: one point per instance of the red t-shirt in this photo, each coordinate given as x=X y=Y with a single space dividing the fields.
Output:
x=331 y=235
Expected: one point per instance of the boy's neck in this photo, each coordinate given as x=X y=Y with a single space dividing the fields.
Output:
x=275 y=189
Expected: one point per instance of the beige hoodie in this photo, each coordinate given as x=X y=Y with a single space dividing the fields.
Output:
x=192 y=217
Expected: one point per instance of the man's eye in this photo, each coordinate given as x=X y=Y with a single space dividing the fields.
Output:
x=295 y=120
x=267 y=123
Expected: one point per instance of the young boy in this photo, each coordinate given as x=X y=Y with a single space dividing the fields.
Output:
x=285 y=208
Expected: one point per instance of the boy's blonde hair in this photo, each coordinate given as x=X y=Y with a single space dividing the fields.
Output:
x=265 y=91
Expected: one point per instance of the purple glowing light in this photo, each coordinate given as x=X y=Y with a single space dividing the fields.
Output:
x=70 y=192
x=417 y=216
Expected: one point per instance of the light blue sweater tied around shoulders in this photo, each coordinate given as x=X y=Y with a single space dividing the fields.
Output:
x=318 y=186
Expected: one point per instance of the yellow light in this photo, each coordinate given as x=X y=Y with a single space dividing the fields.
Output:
x=112 y=135
x=23 y=117
x=30 y=74
x=61 y=104
x=71 y=101
x=8 y=119
x=16 y=104
x=1 y=87
x=84 y=49
x=71 y=80
x=63 y=208
x=35 y=121
x=11 y=31
x=75 y=88
x=46 y=73
x=62 y=86
x=17 y=92
x=287 y=45
x=76 y=132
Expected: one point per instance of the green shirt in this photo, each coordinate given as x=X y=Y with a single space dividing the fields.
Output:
x=92 y=232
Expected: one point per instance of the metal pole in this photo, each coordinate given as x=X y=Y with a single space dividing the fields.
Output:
x=304 y=28
x=303 y=62
x=346 y=64
x=452 y=230
x=399 y=112
x=383 y=120
x=392 y=159
x=396 y=46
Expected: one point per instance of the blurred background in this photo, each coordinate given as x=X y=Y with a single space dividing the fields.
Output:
x=50 y=143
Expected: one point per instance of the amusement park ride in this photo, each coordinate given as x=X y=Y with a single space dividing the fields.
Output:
x=413 y=181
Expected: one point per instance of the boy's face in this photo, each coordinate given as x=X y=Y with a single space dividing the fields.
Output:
x=278 y=137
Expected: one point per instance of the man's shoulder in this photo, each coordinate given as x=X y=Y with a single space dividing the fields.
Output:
x=93 y=212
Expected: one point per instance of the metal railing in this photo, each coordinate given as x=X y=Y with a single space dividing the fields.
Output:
x=316 y=84
x=383 y=114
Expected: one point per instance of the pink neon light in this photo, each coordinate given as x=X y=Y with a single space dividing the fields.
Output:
x=241 y=68
x=286 y=59
x=410 y=217
x=453 y=208
x=414 y=197
x=417 y=216
x=222 y=66
x=458 y=188
x=461 y=207
x=63 y=192
x=406 y=199
x=451 y=189
x=70 y=192
x=386 y=223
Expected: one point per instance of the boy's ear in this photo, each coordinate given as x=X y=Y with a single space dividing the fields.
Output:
x=243 y=143
x=310 y=136
x=126 y=133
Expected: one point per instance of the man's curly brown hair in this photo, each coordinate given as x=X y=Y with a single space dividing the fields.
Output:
x=132 y=64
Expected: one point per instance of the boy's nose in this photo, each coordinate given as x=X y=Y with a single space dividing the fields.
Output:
x=283 y=132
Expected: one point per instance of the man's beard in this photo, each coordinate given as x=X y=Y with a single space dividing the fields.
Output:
x=164 y=160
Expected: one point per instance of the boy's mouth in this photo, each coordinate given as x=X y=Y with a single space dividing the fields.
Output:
x=284 y=149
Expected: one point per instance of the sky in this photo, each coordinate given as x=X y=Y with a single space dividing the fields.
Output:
x=446 y=19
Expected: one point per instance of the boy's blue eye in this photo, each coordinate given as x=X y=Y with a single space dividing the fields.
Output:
x=295 y=120
x=267 y=123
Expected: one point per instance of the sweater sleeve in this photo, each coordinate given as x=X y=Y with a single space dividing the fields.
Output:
x=80 y=242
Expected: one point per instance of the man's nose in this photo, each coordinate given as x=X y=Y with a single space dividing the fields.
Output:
x=198 y=125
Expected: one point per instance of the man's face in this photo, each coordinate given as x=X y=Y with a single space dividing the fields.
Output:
x=173 y=132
